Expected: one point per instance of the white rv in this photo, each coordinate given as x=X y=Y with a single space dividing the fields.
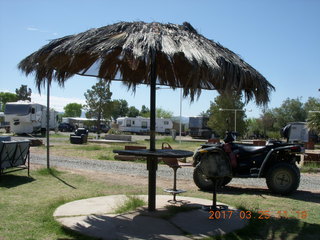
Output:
x=26 y=117
x=142 y=125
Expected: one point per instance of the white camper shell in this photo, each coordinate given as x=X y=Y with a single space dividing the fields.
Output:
x=142 y=125
x=299 y=132
x=27 y=117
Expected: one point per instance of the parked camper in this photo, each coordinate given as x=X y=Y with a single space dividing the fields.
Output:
x=142 y=125
x=298 y=132
x=26 y=117
x=88 y=123
x=199 y=128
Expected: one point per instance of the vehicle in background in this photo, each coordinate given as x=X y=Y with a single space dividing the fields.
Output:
x=298 y=132
x=141 y=125
x=66 y=127
x=103 y=128
x=26 y=117
x=199 y=127
x=176 y=126
x=88 y=123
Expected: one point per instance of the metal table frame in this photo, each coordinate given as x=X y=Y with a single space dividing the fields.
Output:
x=152 y=166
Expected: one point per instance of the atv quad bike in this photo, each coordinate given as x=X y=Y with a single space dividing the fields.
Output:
x=276 y=162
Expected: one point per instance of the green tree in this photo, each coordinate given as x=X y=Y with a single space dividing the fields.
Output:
x=133 y=112
x=253 y=126
x=313 y=104
x=221 y=121
x=291 y=110
x=144 y=112
x=72 y=110
x=312 y=107
x=204 y=113
x=119 y=108
x=314 y=121
x=98 y=102
x=160 y=113
x=24 y=93
x=7 y=97
x=267 y=121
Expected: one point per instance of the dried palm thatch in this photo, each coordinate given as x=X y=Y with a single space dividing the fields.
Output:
x=183 y=59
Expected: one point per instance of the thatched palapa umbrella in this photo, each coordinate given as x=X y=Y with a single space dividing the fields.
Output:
x=148 y=53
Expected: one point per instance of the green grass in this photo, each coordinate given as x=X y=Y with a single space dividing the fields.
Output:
x=311 y=167
x=48 y=171
x=274 y=228
x=130 y=204
x=93 y=147
x=105 y=151
x=106 y=156
x=58 y=135
x=294 y=225
x=27 y=204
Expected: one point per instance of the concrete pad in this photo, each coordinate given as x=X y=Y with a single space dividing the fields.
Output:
x=95 y=217
x=198 y=224
x=97 y=205
x=127 y=226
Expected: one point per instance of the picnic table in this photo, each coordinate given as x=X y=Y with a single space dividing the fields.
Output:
x=152 y=163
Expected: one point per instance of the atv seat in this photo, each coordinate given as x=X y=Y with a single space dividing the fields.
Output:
x=243 y=149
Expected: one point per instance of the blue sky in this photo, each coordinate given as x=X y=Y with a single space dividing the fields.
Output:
x=281 y=39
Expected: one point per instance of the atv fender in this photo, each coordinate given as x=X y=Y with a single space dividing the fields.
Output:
x=268 y=157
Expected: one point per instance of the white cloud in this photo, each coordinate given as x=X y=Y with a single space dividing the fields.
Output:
x=57 y=103
x=41 y=31
x=32 y=29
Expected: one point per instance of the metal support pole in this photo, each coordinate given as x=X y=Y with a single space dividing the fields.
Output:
x=235 y=121
x=48 y=122
x=28 y=163
x=180 y=114
x=174 y=183
x=152 y=162
x=214 y=197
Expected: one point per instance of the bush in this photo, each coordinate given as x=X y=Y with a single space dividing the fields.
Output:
x=114 y=131
x=274 y=134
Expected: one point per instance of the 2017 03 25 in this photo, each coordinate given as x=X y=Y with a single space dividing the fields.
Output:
x=260 y=215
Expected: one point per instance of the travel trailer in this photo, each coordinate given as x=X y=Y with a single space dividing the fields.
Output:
x=27 y=117
x=142 y=125
x=199 y=128
x=88 y=123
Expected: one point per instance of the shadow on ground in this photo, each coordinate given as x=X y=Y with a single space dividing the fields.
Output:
x=55 y=175
x=297 y=195
x=275 y=228
x=10 y=181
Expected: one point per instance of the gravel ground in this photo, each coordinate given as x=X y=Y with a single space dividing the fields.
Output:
x=309 y=182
